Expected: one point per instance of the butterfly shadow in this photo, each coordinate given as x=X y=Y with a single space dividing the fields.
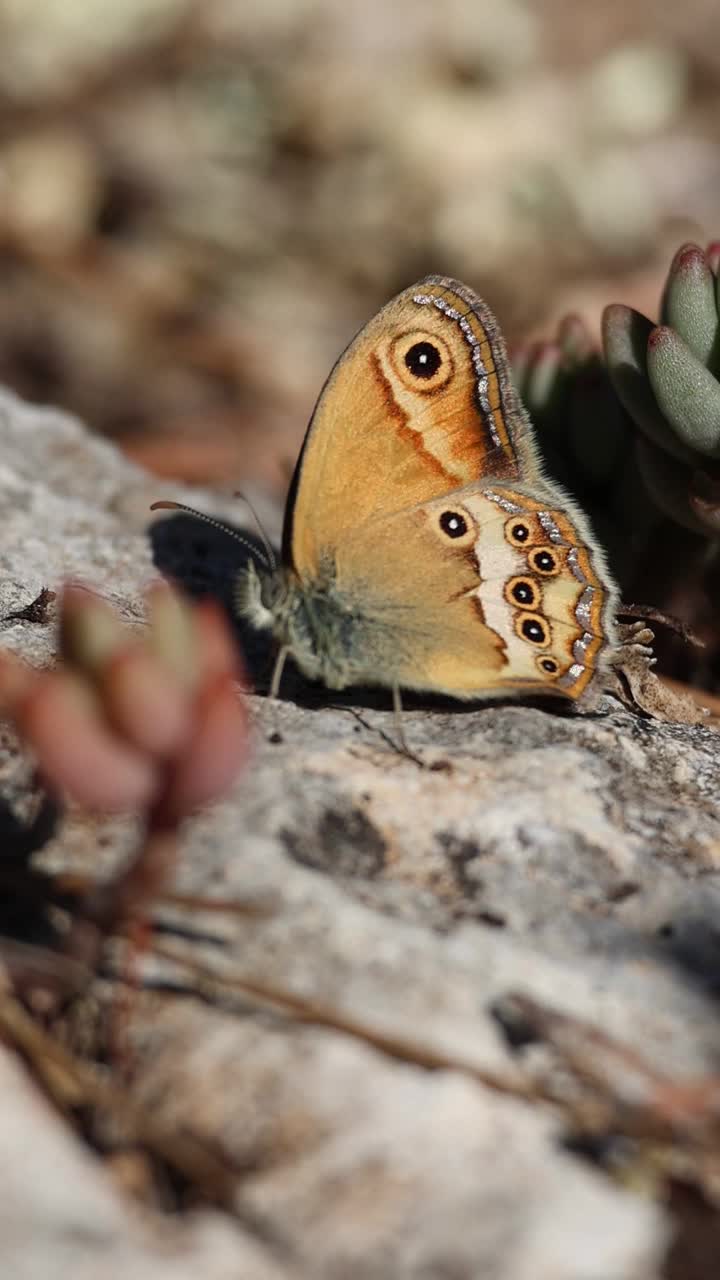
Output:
x=205 y=561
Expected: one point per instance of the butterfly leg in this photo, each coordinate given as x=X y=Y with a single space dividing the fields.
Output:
x=278 y=671
x=397 y=712
x=274 y=690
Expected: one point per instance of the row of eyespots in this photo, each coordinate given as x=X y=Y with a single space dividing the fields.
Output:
x=533 y=627
x=526 y=591
x=521 y=590
x=544 y=559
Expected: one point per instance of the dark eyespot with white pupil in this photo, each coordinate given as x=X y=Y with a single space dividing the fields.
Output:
x=453 y=524
x=544 y=561
x=534 y=631
x=520 y=532
x=523 y=593
x=549 y=665
x=423 y=360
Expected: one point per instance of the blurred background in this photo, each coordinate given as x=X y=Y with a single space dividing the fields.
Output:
x=201 y=200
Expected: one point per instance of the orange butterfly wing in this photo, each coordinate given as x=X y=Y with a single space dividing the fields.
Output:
x=382 y=439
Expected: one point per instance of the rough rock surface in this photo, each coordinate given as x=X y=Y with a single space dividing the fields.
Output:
x=572 y=857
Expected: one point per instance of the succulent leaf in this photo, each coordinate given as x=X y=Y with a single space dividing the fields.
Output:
x=686 y=392
x=689 y=303
x=625 y=338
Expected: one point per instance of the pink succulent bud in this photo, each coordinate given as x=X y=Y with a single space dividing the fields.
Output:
x=135 y=719
x=78 y=753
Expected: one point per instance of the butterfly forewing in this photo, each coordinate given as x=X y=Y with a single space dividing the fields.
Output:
x=420 y=404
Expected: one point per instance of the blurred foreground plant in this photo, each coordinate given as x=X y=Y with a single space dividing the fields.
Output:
x=146 y=722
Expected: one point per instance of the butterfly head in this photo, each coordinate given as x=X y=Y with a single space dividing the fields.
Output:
x=262 y=597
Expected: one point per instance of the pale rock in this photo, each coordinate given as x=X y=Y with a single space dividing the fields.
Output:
x=565 y=855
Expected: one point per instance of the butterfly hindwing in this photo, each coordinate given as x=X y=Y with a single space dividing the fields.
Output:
x=481 y=591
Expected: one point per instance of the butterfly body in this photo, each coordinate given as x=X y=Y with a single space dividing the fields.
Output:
x=424 y=548
x=332 y=637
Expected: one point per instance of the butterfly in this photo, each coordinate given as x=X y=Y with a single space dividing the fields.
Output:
x=424 y=547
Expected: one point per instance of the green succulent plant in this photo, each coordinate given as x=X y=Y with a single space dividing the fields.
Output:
x=633 y=431
x=666 y=377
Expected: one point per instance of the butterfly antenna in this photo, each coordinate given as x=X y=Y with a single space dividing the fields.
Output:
x=265 y=540
x=268 y=561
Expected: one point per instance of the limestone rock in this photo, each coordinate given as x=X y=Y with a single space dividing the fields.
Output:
x=570 y=856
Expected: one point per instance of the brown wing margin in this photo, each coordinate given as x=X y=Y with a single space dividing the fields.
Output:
x=498 y=402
